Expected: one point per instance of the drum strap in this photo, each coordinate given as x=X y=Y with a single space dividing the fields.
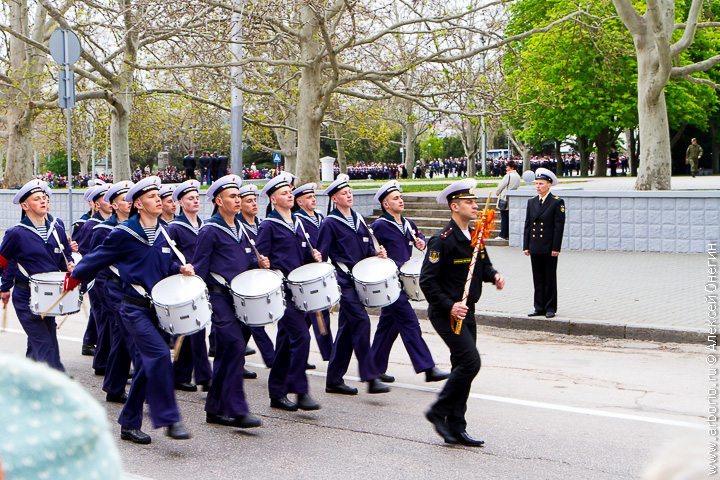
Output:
x=171 y=242
x=61 y=247
x=345 y=269
x=307 y=236
x=22 y=270
x=220 y=279
x=252 y=242
x=376 y=244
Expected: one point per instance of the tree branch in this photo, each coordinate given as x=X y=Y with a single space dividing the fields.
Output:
x=689 y=33
x=703 y=66
x=629 y=16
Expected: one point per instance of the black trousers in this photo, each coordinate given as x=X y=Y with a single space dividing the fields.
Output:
x=544 y=269
x=465 y=360
x=505 y=224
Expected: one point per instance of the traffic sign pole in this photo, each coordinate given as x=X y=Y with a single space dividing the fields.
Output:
x=68 y=107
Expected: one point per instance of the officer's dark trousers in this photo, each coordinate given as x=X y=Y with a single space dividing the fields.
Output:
x=153 y=380
x=324 y=342
x=465 y=361
x=42 y=333
x=400 y=318
x=263 y=342
x=291 y=353
x=118 y=361
x=544 y=268
x=193 y=356
x=102 y=321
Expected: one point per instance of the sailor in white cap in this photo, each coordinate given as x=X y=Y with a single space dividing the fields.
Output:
x=281 y=238
x=143 y=257
x=542 y=240
x=442 y=279
x=38 y=243
x=344 y=237
x=184 y=231
x=399 y=235
x=306 y=211
x=223 y=251
x=169 y=207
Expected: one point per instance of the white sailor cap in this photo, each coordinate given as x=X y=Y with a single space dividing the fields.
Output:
x=94 y=182
x=89 y=193
x=291 y=179
x=166 y=191
x=461 y=189
x=98 y=192
x=340 y=182
x=117 y=189
x=223 y=183
x=31 y=187
x=186 y=187
x=387 y=189
x=276 y=183
x=147 y=184
x=545 y=174
x=304 y=189
x=249 y=189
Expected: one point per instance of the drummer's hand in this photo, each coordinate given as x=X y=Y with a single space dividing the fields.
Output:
x=70 y=282
x=263 y=262
x=187 y=270
x=71 y=267
x=499 y=281
x=382 y=253
x=74 y=246
x=420 y=243
x=5 y=296
x=459 y=310
x=317 y=255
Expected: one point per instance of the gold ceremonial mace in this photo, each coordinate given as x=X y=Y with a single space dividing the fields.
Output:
x=455 y=322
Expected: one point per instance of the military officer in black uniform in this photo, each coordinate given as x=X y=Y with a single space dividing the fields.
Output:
x=544 y=225
x=442 y=280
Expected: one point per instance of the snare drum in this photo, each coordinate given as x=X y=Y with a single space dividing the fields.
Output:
x=410 y=278
x=314 y=287
x=376 y=281
x=182 y=305
x=45 y=288
x=258 y=297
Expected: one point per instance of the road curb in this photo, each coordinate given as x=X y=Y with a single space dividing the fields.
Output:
x=629 y=331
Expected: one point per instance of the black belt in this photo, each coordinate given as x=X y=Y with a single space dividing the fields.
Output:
x=22 y=283
x=218 y=289
x=139 y=302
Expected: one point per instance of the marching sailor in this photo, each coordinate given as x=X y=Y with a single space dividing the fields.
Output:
x=223 y=251
x=169 y=206
x=37 y=244
x=281 y=239
x=345 y=239
x=184 y=231
x=143 y=257
x=399 y=235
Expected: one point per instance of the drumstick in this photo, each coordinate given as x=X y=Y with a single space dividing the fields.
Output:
x=54 y=304
x=178 y=346
x=62 y=322
x=5 y=315
x=321 y=323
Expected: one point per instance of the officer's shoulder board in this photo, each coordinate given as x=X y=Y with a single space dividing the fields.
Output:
x=446 y=233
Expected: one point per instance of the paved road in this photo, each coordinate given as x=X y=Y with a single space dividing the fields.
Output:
x=548 y=406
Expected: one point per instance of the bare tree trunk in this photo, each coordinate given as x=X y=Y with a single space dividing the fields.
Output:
x=584 y=147
x=410 y=139
x=631 y=142
x=469 y=139
x=83 y=156
x=120 y=142
x=654 y=172
x=602 y=142
x=287 y=140
x=340 y=147
x=558 y=159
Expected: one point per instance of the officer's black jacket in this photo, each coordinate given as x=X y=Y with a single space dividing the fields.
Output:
x=544 y=225
x=445 y=269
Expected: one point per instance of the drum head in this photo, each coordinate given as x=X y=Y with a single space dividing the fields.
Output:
x=412 y=266
x=53 y=277
x=311 y=271
x=177 y=289
x=374 y=269
x=255 y=282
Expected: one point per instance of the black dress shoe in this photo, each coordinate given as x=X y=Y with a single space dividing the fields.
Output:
x=186 y=386
x=310 y=366
x=88 y=350
x=220 y=419
x=206 y=386
x=122 y=398
x=283 y=403
x=464 y=439
x=306 y=402
x=248 y=421
x=441 y=426
x=341 y=388
x=178 y=431
x=134 y=435
x=549 y=314
x=376 y=386
x=434 y=374
x=249 y=351
x=248 y=374
x=385 y=378
x=536 y=314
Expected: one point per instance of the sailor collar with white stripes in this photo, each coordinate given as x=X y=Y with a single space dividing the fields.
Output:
x=402 y=226
x=338 y=215
x=136 y=230
x=253 y=227
x=183 y=221
x=50 y=223
x=217 y=221
x=275 y=217
x=315 y=218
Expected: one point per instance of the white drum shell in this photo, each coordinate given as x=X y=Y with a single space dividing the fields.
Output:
x=182 y=304
x=376 y=281
x=258 y=297
x=45 y=288
x=314 y=287
x=410 y=278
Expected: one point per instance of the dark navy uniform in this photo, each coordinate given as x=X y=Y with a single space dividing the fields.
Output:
x=442 y=280
x=544 y=226
x=90 y=335
x=101 y=315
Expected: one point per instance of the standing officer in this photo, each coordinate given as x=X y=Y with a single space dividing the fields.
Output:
x=281 y=238
x=399 y=235
x=345 y=239
x=442 y=279
x=143 y=257
x=204 y=162
x=38 y=243
x=189 y=164
x=222 y=252
x=306 y=205
x=544 y=225
x=184 y=231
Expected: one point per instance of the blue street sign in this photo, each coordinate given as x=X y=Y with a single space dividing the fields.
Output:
x=277 y=158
